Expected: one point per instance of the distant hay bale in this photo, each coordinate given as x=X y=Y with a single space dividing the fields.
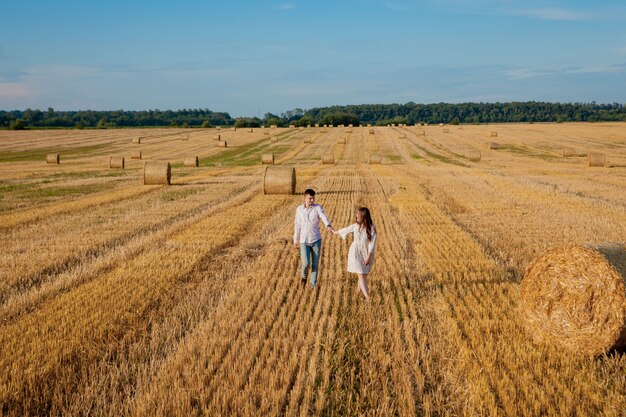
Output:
x=53 y=158
x=323 y=131
x=596 y=159
x=375 y=159
x=273 y=127
x=440 y=124
x=369 y=125
x=219 y=128
x=234 y=129
x=292 y=126
x=222 y=144
x=116 y=162
x=328 y=158
x=350 y=125
x=136 y=141
x=135 y=155
x=574 y=297
x=157 y=173
x=402 y=136
x=420 y=133
x=274 y=139
x=279 y=179
x=317 y=125
x=308 y=126
x=341 y=125
x=251 y=130
x=191 y=161
x=371 y=131
x=446 y=130
x=217 y=137
x=567 y=152
x=308 y=140
x=493 y=134
x=474 y=156
x=393 y=125
x=300 y=127
x=185 y=138
x=349 y=131
x=494 y=145
x=341 y=141
x=266 y=133
x=267 y=158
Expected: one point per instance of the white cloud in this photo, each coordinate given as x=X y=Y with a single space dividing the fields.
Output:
x=595 y=69
x=524 y=73
x=16 y=90
x=286 y=6
x=554 y=14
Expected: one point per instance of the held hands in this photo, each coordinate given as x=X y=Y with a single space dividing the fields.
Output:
x=331 y=230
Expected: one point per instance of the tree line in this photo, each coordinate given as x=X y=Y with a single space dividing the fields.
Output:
x=377 y=114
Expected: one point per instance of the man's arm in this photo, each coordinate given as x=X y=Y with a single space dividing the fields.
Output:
x=324 y=218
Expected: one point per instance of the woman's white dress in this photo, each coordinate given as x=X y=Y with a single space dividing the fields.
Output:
x=360 y=248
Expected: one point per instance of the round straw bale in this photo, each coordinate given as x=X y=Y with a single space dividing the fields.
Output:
x=402 y=136
x=217 y=137
x=446 y=130
x=191 y=161
x=328 y=158
x=308 y=125
x=350 y=125
x=135 y=155
x=574 y=297
x=53 y=158
x=300 y=127
x=494 y=145
x=371 y=131
x=116 y=162
x=274 y=139
x=273 y=127
x=341 y=141
x=375 y=159
x=251 y=130
x=308 y=140
x=567 y=152
x=440 y=124
x=267 y=158
x=420 y=133
x=349 y=130
x=474 y=156
x=317 y=125
x=493 y=134
x=157 y=173
x=279 y=179
x=185 y=138
x=136 y=140
x=596 y=159
x=222 y=144
x=219 y=128
x=323 y=130
x=266 y=133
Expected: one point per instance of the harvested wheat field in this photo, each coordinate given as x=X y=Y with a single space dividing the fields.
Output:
x=124 y=299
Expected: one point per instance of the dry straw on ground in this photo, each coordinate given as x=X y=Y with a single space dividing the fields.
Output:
x=157 y=173
x=136 y=140
x=328 y=158
x=217 y=137
x=135 y=155
x=596 y=159
x=341 y=141
x=474 y=156
x=494 y=145
x=308 y=140
x=116 y=162
x=267 y=158
x=191 y=161
x=402 y=136
x=567 y=152
x=493 y=134
x=53 y=158
x=222 y=144
x=185 y=138
x=375 y=159
x=574 y=297
x=274 y=139
x=279 y=180
x=446 y=130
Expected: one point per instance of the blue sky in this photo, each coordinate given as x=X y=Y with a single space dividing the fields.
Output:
x=248 y=58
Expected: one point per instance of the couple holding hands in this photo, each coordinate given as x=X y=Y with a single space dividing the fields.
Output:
x=308 y=239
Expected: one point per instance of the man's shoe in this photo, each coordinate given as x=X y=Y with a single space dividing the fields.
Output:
x=303 y=280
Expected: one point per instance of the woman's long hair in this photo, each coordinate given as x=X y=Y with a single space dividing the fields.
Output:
x=366 y=221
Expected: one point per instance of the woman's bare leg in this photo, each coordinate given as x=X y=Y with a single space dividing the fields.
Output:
x=363 y=285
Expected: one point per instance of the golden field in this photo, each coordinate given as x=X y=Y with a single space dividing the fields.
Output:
x=124 y=299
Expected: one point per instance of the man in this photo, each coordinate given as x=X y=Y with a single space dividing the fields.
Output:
x=307 y=234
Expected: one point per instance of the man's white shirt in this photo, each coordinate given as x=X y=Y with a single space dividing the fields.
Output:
x=307 y=223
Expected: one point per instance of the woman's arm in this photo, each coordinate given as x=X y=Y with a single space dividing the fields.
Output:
x=345 y=231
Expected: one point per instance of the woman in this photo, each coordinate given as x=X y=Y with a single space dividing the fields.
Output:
x=361 y=255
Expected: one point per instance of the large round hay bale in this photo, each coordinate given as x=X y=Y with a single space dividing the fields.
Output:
x=266 y=133
x=219 y=128
x=328 y=158
x=222 y=144
x=420 y=133
x=323 y=130
x=440 y=124
x=371 y=131
x=274 y=139
x=300 y=127
x=493 y=134
x=567 y=152
x=116 y=162
x=349 y=131
x=596 y=159
x=446 y=130
x=53 y=158
x=341 y=141
x=267 y=158
x=350 y=125
x=251 y=130
x=474 y=156
x=574 y=297
x=494 y=145
x=402 y=136
x=185 y=138
x=317 y=125
x=375 y=159
x=191 y=161
x=273 y=127
x=279 y=179
x=234 y=129
x=135 y=155
x=217 y=137
x=136 y=140
x=308 y=140
x=157 y=173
